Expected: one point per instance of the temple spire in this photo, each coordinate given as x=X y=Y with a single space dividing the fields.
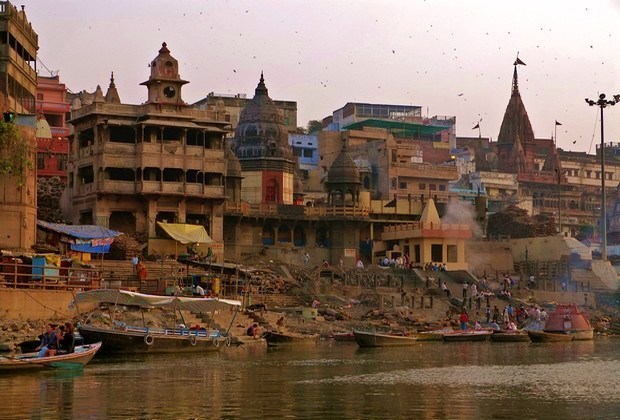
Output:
x=112 y=95
x=515 y=82
x=261 y=89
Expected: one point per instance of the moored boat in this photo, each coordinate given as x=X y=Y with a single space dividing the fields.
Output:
x=510 y=336
x=547 y=337
x=376 y=339
x=346 y=337
x=467 y=335
x=30 y=361
x=121 y=338
x=275 y=338
x=436 y=335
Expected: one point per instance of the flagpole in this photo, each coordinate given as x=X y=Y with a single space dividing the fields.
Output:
x=555 y=133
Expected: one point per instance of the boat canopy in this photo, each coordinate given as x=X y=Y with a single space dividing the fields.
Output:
x=127 y=298
x=186 y=234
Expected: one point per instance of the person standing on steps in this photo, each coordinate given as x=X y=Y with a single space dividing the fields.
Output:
x=465 y=286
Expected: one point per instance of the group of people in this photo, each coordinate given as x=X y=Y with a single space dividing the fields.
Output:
x=57 y=340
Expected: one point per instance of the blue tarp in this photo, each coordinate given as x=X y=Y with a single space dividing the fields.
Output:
x=80 y=231
x=91 y=249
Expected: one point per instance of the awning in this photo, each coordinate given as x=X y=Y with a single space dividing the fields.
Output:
x=80 y=231
x=186 y=234
x=126 y=298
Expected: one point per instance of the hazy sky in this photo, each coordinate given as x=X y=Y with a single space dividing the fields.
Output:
x=453 y=57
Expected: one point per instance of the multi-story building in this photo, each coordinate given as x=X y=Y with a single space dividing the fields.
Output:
x=134 y=165
x=52 y=105
x=18 y=191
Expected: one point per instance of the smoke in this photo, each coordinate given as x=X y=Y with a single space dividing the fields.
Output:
x=462 y=213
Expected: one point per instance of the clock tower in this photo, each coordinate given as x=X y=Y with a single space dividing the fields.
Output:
x=164 y=84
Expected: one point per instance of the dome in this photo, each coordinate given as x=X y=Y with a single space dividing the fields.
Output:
x=261 y=131
x=343 y=170
x=233 y=166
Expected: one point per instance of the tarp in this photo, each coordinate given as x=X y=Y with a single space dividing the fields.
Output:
x=80 y=231
x=127 y=298
x=186 y=234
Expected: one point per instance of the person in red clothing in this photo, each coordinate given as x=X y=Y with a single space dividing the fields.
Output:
x=464 y=319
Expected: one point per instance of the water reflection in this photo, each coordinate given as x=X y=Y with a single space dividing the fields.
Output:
x=430 y=380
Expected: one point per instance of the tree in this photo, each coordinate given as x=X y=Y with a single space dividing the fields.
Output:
x=314 y=126
x=14 y=152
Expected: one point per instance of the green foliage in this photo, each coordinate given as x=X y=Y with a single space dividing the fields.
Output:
x=514 y=222
x=14 y=152
x=314 y=126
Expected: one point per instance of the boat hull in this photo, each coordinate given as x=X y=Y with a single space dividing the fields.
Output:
x=509 y=337
x=369 y=339
x=279 y=339
x=548 y=337
x=30 y=361
x=172 y=341
x=429 y=336
x=467 y=336
x=582 y=334
x=344 y=337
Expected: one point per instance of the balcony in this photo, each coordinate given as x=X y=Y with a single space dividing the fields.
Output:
x=117 y=187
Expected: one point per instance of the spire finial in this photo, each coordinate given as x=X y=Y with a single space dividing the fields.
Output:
x=515 y=82
x=164 y=48
x=112 y=80
x=261 y=89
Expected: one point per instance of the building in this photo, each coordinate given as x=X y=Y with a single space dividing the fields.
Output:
x=52 y=105
x=132 y=166
x=18 y=191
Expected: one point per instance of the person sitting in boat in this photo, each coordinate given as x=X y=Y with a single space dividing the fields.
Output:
x=495 y=326
x=198 y=290
x=48 y=337
x=280 y=324
x=511 y=326
x=54 y=344
x=67 y=344
x=477 y=326
x=252 y=331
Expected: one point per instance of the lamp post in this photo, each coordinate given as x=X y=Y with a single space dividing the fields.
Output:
x=602 y=103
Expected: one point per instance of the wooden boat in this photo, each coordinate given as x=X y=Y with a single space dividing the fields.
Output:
x=376 y=339
x=582 y=334
x=134 y=339
x=30 y=361
x=275 y=338
x=429 y=335
x=546 y=337
x=345 y=337
x=510 y=336
x=467 y=335
x=29 y=346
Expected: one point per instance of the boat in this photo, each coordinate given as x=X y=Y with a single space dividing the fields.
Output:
x=29 y=346
x=122 y=338
x=546 y=337
x=275 y=338
x=30 y=361
x=566 y=320
x=344 y=337
x=377 y=339
x=436 y=335
x=467 y=335
x=507 y=336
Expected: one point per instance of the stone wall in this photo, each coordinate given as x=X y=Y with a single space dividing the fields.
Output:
x=36 y=304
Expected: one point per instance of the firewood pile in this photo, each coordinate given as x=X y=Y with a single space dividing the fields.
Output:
x=49 y=193
x=126 y=246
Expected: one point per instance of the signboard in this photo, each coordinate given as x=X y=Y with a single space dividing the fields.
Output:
x=350 y=252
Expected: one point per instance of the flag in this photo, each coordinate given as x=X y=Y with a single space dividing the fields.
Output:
x=518 y=61
x=557 y=123
x=476 y=126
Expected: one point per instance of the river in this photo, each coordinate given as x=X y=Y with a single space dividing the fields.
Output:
x=333 y=380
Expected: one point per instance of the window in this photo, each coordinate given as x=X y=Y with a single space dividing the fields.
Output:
x=597 y=174
x=394 y=155
x=452 y=253
x=432 y=187
x=588 y=174
x=61 y=162
x=442 y=188
x=296 y=152
x=307 y=153
x=394 y=183
x=402 y=185
x=422 y=186
x=40 y=160
x=39 y=96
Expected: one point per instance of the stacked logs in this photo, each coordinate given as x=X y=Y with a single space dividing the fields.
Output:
x=49 y=193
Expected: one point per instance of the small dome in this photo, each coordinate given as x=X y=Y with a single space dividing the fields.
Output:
x=343 y=170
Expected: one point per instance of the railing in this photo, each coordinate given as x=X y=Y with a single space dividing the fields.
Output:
x=15 y=275
x=424 y=225
x=277 y=209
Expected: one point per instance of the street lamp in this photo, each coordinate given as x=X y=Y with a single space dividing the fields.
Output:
x=603 y=103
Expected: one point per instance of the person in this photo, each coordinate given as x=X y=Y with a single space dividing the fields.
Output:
x=465 y=286
x=386 y=262
x=280 y=324
x=134 y=263
x=532 y=282
x=510 y=310
x=67 y=344
x=198 y=290
x=325 y=264
x=511 y=326
x=464 y=319
x=495 y=313
x=495 y=326
x=359 y=263
x=477 y=326
x=487 y=311
x=252 y=330
x=46 y=338
x=54 y=343
x=473 y=289
x=543 y=315
x=305 y=258
x=505 y=316
x=341 y=262
x=445 y=288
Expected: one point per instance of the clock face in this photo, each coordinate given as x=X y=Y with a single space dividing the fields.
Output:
x=169 y=92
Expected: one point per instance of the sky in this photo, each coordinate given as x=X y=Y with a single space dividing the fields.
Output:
x=452 y=57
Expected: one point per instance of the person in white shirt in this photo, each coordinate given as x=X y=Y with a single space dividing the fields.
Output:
x=199 y=291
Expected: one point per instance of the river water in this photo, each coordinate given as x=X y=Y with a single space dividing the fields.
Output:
x=333 y=380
